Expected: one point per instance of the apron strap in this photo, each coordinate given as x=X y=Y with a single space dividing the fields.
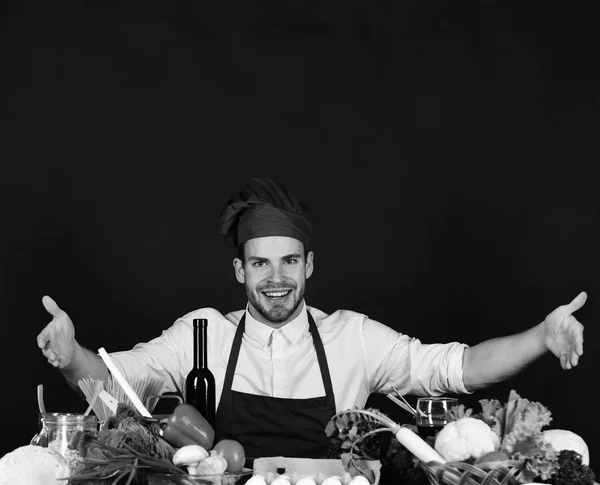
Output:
x=233 y=356
x=237 y=343
x=318 y=343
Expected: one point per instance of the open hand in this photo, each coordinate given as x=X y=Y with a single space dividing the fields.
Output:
x=57 y=339
x=564 y=334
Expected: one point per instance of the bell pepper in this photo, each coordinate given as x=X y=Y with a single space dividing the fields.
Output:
x=186 y=426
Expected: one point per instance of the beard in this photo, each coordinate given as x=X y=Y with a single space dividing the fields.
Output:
x=276 y=313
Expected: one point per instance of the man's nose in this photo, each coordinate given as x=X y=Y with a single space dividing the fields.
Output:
x=276 y=274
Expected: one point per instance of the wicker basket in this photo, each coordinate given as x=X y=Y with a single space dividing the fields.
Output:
x=460 y=473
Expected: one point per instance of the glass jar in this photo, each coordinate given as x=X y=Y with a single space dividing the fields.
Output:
x=62 y=432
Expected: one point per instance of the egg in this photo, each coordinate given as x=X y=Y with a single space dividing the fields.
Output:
x=332 y=481
x=281 y=480
x=256 y=480
x=346 y=477
x=306 y=481
x=359 y=480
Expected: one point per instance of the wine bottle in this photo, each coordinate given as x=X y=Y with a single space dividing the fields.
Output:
x=200 y=381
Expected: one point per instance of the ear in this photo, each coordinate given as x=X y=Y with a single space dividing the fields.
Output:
x=310 y=265
x=239 y=270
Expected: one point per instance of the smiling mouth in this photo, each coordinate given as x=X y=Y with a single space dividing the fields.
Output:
x=276 y=295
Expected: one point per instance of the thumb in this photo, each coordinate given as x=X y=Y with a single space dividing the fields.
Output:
x=51 y=306
x=577 y=303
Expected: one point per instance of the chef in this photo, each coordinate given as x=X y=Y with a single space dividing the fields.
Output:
x=283 y=368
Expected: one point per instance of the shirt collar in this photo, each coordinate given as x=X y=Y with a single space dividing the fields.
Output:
x=261 y=333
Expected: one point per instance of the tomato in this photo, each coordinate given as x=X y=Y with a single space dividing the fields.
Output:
x=233 y=452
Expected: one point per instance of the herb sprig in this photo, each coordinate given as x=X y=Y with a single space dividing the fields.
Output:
x=125 y=451
x=118 y=463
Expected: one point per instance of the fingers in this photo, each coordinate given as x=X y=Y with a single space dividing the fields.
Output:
x=51 y=356
x=577 y=303
x=568 y=361
x=42 y=339
x=577 y=335
x=48 y=334
x=51 y=306
x=571 y=357
x=55 y=361
x=47 y=350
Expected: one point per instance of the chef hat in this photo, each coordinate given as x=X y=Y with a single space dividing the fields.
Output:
x=262 y=207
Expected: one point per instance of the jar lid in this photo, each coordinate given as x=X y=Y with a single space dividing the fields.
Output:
x=68 y=418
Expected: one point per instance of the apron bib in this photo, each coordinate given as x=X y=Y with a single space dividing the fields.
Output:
x=272 y=426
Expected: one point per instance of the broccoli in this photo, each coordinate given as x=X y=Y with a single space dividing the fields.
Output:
x=571 y=471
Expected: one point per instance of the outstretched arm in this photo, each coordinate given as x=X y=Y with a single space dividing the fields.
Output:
x=58 y=344
x=499 y=359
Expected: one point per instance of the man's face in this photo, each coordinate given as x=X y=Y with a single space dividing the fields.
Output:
x=274 y=274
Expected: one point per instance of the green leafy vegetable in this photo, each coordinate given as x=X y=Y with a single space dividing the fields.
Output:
x=571 y=471
x=126 y=449
x=364 y=434
x=524 y=421
x=519 y=423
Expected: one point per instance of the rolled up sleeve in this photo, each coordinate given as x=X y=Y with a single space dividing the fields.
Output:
x=437 y=369
x=163 y=357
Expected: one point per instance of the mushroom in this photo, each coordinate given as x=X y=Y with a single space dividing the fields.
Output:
x=189 y=456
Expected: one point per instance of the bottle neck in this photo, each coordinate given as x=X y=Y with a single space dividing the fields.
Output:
x=200 y=344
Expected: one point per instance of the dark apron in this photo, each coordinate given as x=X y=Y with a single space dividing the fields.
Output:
x=272 y=426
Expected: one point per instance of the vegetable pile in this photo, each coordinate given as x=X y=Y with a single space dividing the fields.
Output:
x=129 y=448
x=126 y=449
x=518 y=424
x=357 y=435
x=510 y=432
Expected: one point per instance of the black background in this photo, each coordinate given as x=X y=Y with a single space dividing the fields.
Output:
x=448 y=151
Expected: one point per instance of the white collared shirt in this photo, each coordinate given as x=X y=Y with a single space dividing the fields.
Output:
x=363 y=355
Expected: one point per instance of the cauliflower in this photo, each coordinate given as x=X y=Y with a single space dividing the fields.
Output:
x=466 y=438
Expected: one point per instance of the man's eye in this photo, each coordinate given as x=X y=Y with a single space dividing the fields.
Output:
x=258 y=264
x=291 y=261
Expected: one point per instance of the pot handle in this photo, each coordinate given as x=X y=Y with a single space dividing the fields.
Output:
x=153 y=400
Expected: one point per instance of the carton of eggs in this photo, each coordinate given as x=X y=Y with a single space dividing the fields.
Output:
x=283 y=479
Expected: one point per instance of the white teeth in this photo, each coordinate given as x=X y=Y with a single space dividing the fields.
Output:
x=276 y=294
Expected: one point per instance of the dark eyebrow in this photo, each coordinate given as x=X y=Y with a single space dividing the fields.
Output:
x=256 y=258
x=264 y=260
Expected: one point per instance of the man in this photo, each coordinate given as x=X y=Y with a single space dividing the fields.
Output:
x=282 y=368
